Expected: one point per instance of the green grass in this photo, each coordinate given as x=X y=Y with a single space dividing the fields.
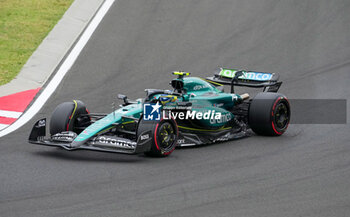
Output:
x=23 y=26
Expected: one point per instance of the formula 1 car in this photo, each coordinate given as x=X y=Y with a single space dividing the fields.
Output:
x=196 y=111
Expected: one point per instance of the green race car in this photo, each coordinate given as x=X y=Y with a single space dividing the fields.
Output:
x=195 y=111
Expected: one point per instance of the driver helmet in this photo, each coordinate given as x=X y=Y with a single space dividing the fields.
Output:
x=164 y=99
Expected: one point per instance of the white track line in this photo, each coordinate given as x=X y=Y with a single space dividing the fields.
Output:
x=10 y=114
x=2 y=126
x=67 y=64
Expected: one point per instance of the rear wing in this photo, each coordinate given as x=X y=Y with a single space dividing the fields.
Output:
x=234 y=77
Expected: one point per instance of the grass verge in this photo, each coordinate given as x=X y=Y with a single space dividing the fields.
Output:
x=23 y=26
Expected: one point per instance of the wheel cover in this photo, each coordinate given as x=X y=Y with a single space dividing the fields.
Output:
x=282 y=116
x=166 y=135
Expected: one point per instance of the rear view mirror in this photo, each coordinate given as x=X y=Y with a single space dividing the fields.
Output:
x=124 y=98
x=121 y=96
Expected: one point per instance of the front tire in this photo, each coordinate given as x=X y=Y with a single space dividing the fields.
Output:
x=269 y=114
x=165 y=134
x=67 y=117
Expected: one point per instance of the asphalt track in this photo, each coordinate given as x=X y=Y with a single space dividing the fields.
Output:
x=306 y=172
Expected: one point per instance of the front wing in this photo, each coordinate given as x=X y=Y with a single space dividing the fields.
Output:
x=97 y=143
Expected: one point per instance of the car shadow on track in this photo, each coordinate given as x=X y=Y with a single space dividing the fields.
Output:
x=82 y=155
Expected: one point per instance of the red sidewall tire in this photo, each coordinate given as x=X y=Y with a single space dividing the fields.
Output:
x=263 y=116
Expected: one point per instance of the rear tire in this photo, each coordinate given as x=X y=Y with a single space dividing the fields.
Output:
x=164 y=133
x=269 y=114
x=66 y=117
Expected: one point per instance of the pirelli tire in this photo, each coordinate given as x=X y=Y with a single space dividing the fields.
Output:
x=269 y=114
x=68 y=117
x=164 y=136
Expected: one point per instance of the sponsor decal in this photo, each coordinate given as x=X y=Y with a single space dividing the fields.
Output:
x=199 y=87
x=180 y=141
x=112 y=141
x=222 y=119
x=144 y=137
x=255 y=76
x=151 y=112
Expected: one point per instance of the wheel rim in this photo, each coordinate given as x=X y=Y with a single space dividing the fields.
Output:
x=282 y=116
x=166 y=135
